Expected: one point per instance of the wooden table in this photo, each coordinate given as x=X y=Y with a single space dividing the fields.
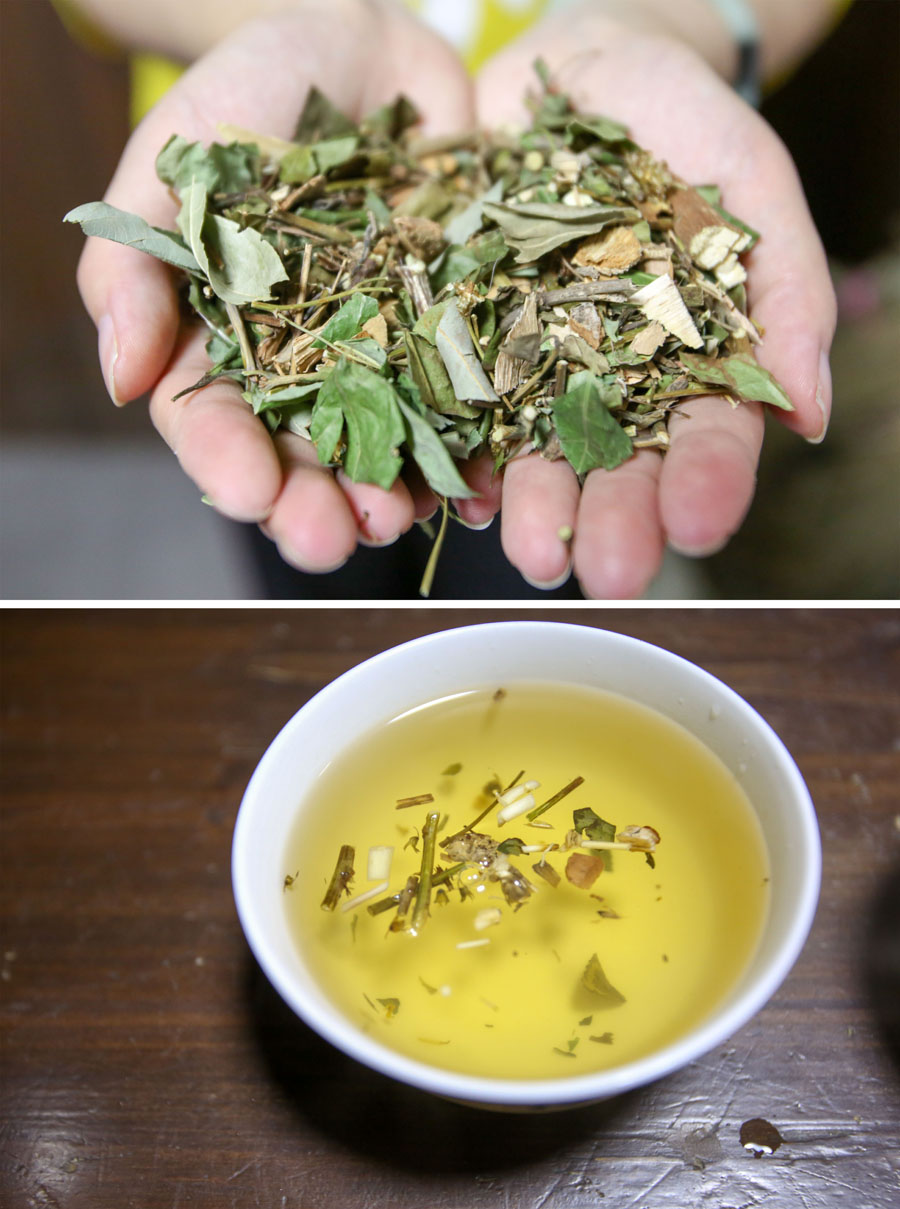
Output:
x=146 y=1060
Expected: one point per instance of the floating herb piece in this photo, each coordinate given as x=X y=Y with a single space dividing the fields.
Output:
x=423 y=891
x=557 y=797
x=603 y=1039
x=420 y=799
x=289 y=879
x=594 y=980
x=341 y=878
x=391 y=1007
x=583 y=870
x=545 y=870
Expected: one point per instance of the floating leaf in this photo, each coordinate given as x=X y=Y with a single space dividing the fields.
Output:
x=741 y=376
x=594 y=980
x=107 y=222
x=368 y=405
x=588 y=434
x=454 y=343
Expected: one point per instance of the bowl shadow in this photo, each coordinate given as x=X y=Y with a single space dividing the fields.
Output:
x=373 y=1115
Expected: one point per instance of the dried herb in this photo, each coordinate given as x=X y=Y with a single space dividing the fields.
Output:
x=559 y=290
x=423 y=890
x=594 y=980
x=341 y=878
x=583 y=870
x=391 y=1007
x=419 y=799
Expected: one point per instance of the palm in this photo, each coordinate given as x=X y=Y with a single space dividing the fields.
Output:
x=258 y=80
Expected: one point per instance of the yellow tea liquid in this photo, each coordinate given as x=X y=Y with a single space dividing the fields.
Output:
x=672 y=939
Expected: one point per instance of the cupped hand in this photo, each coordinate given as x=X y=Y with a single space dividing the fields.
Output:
x=696 y=496
x=361 y=53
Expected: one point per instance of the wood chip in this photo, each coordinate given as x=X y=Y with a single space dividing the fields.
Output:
x=703 y=231
x=646 y=342
x=612 y=252
x=662 y=301
x=511 y=370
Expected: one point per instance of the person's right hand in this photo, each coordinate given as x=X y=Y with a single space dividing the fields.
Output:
x=361 y=53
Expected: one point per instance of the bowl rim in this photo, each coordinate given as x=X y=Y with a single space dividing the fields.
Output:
x=547 y=1092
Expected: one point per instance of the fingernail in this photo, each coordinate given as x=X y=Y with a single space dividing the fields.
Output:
x=375 y=543
x=823 y=398
x=109 y=352
x=552 y=584
x=479 y=527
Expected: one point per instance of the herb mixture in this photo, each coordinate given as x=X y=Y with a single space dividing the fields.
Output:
x=400 y=299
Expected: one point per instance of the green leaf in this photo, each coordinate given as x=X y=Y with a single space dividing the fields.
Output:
x=389 y=121
x=741 y=377
x=589 y=435
x=432 y=380
x=536 y=228
x=107 y=222
x=432 y=457
x=427 y=325
x=321 y=120
x=455 y=263
x=303 y=162
x=265 y=400
x=347 y=320
x=369 y=406
x=590 y=824
x=598 y=127
x=241 y=266
x=594 y=980
x=454 y=343
x=220 y=169
x=463 y=226
x=364 y=350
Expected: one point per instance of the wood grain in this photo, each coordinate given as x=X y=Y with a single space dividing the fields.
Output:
x=146 y=1060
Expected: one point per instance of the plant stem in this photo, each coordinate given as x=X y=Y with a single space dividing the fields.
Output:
x=423 y=893
x=557 y=797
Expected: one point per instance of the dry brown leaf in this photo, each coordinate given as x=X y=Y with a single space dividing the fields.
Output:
x=584 y=320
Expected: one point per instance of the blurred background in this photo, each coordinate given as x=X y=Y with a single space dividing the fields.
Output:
x=92 y=504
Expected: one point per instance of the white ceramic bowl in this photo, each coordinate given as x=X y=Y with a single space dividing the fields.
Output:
x=483 y=656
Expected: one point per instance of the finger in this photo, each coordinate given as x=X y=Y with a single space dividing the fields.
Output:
x=709 y=474
x=618 y=536
x=479 y=474
x=381 y=516
x=312 y=522
x=540 y=501
x=220 y=444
